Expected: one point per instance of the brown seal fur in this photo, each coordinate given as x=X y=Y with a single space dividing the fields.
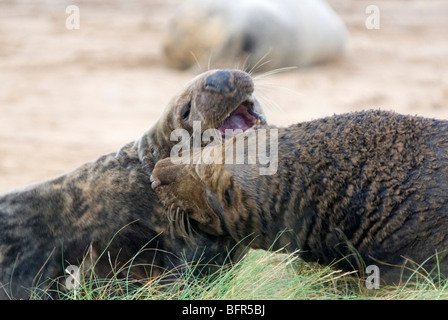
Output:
x=105 y=211
x=359 y=189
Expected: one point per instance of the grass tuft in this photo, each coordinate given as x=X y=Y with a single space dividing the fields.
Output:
x=261 y=275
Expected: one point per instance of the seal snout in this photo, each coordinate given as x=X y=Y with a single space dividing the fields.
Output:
x=221 y=81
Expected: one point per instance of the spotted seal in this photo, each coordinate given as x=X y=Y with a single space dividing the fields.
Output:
x=357 y=189
x=105 y=214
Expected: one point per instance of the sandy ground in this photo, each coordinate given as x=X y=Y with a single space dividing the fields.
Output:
x=68 y=96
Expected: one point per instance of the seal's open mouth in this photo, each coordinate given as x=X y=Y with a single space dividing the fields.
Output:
x=244 y=117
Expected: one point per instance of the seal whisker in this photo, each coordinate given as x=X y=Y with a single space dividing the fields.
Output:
x=179 y=224
x=274 y=71
x=266 y=98
x=209 y=61
x=259 y=64
x=197 y=61
x=269 y=103
x=245 y=63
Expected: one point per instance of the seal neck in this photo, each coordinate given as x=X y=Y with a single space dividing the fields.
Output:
x=153 y=146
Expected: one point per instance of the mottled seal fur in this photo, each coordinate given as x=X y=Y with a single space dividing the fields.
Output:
x=259 y=34
x=357 y=189
x=105 y=214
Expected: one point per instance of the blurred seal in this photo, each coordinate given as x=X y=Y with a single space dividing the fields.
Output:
x=254 y=34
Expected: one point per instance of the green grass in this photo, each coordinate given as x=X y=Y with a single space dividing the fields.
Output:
x=261 y=275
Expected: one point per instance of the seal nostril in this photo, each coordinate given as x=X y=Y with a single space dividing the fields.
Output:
x=220 y=81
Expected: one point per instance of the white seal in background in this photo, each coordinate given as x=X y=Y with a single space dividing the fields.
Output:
x=259 y=34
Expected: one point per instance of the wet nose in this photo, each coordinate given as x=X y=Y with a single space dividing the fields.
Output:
x=221 y=81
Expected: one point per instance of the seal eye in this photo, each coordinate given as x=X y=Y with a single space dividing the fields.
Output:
x=228 y=196
x=248 y=43
x=185 y=112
